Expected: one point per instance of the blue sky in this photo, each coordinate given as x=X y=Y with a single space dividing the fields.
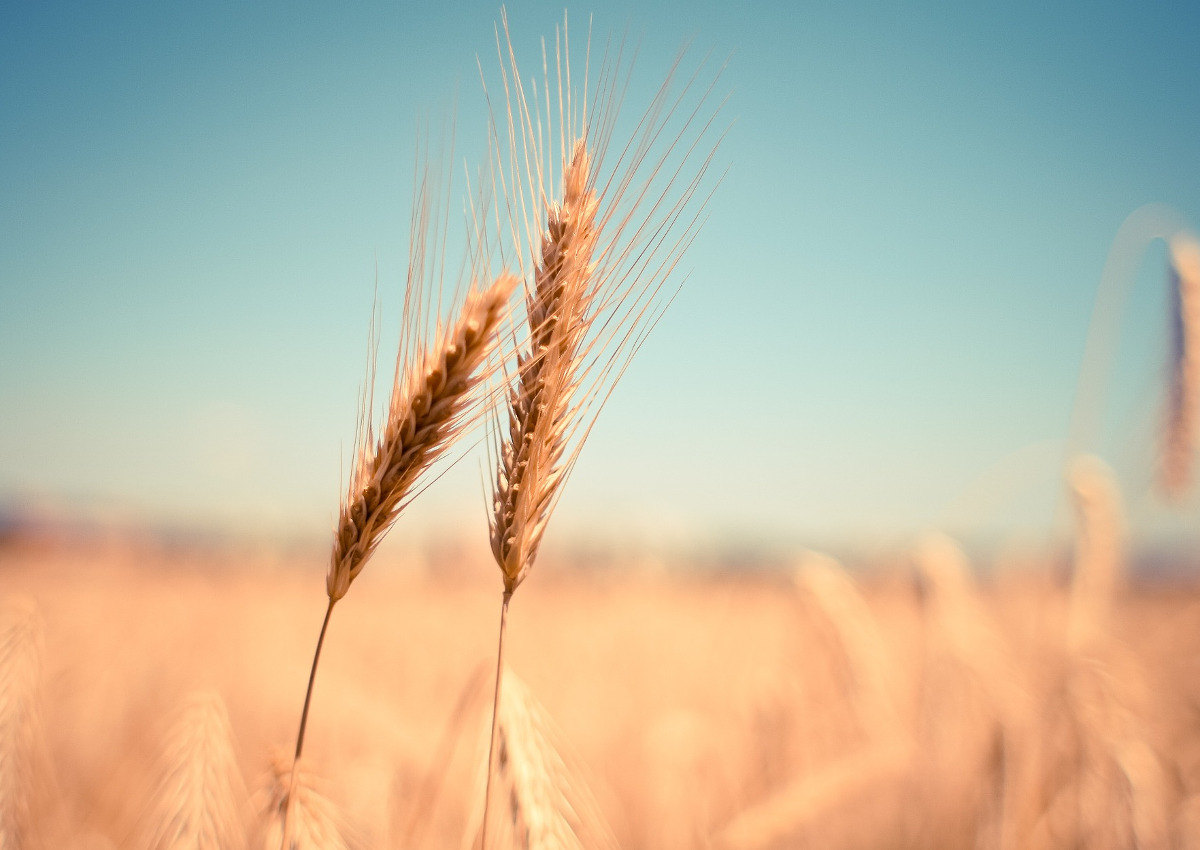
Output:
x=881 y=328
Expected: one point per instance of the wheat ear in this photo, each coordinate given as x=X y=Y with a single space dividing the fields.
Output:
x=196 y=803
x=1184 y=391
x=539 y=415
x=530 y=468
x=430 y=405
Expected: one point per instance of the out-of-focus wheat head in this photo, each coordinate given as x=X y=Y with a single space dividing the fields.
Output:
x=854 y=638
x=1103 y=783
x=1184 y=390
x=544 y=804
x=20 y=670
x=1099 y=551
x=431 y=403
x=597 y=237
x=975 y=704
x=198 y=795
x=313 y=822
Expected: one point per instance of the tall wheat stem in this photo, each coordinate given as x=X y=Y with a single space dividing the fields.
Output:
x=487 y=793
x=312 y=677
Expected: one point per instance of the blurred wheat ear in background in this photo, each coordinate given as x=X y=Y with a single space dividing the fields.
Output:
x=546 y=805
x=1184 y=392
x=295 y=811
x=198 y=798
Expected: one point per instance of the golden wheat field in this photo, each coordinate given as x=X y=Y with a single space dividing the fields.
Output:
x=805 y=708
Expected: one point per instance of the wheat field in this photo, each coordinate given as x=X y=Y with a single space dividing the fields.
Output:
x=874 y=710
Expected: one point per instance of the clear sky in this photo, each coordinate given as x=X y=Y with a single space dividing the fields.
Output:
x=880 y=332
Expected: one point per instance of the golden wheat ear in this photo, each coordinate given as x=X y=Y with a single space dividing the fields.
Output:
x=542 y=803
x=20 y=670
x=1184 y=391
x=431 y=404
x=598 y=229
x=433 y=400
x=198 y=794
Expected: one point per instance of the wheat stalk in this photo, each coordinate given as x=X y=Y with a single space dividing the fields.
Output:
x=196 y=803
x=531 y=469
x=1184 y=391
x=531 y=460
x=429 y=407
x=604 y=249
x=425 y=414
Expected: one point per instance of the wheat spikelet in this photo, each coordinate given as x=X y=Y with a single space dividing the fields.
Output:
x=308 y=819
x=196 y=803
x=432 y=402
x=426 y=412
x=20 y=668
x=1099 y=543
x=855 y=638
x=1184 y=389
